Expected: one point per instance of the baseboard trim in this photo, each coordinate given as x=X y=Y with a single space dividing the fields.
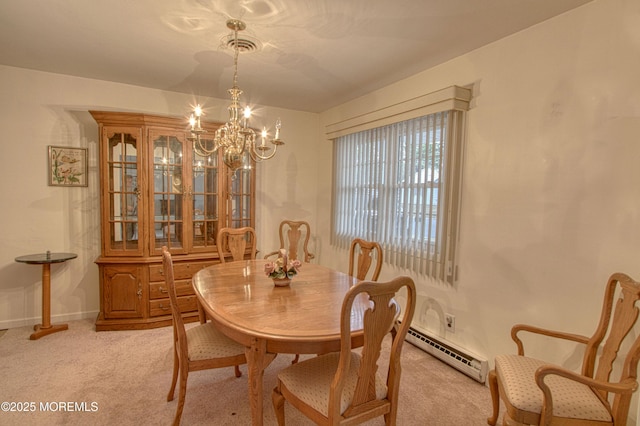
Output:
x=55 y=319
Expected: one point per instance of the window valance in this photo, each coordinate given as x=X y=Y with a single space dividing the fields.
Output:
x=454 y=98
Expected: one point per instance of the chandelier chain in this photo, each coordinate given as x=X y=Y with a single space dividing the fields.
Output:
x=236 y=53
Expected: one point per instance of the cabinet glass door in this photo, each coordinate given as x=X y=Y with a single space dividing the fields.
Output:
x=123 y=198
x=167 y=189
x=240 y=199
x=205 y=193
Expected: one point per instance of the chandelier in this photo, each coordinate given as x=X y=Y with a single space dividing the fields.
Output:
x=234 y=138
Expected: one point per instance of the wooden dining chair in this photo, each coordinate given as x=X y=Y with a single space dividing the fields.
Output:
x=345 y=387
x=294 y=236
x=201 y=347
x=236 y=241
x=366 y=252
x=539 y=393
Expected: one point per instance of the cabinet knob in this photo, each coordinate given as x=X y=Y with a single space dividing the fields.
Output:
x=164 y=308
x=162 y=290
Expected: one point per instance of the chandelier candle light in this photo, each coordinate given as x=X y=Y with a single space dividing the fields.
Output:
x=235 y=137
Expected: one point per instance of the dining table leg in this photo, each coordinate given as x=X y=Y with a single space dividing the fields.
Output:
x=257 y=360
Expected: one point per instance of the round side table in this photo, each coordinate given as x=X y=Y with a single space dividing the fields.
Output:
x=46 y=259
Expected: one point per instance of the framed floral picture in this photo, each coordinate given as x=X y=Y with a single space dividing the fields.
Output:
x=67 y=166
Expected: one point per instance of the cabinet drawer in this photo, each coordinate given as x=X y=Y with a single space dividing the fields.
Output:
x=163 y=307
x=160 y=290
x=180 y=270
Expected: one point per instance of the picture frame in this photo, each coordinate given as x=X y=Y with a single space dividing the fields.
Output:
x=67 y=166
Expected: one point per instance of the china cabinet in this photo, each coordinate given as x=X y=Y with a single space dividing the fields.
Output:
x=156 y=190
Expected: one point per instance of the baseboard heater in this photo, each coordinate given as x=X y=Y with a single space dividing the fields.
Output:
x=461 y=360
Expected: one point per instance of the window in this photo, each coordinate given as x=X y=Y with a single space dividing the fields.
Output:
x=398 y=184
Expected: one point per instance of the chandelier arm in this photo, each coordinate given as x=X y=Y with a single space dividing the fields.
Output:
x=200 y=153
x=201 y=150
x=258 y=157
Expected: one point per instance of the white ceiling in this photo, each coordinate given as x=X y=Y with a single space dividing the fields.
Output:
x=314 y=54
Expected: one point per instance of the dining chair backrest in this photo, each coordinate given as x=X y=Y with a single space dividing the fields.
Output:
x=294 y=237
x=379 y=322
x=365 y=252
x=346 y=387
x=178 y=322
x=237 y=241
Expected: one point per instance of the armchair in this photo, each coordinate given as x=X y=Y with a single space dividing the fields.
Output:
x=538 y=393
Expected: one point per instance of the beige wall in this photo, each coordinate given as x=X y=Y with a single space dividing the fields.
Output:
x=40 y=109
x=550 y=203
x=551 y=190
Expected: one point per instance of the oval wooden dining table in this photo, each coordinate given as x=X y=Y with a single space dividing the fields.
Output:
x=302 y=318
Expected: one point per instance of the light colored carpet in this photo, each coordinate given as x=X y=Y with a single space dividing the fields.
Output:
x=122 y=378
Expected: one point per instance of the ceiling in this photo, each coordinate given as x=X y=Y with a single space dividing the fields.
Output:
x=312 y=54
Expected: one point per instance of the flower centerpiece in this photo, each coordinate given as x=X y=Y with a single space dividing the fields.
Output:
x=282 y=270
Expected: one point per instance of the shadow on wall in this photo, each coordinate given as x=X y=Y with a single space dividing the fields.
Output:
x=430 y=315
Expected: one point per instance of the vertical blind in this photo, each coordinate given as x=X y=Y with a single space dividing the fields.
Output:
x=399 y=185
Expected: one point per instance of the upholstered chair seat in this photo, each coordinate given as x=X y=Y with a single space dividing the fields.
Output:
x=205 y=342
x=571 y=399
x=311 y=381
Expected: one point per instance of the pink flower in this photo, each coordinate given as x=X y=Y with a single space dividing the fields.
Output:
x=296 y=264
x=269 y=267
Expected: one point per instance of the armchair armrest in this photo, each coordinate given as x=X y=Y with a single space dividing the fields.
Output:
x=626 y=386
x=550 y=333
